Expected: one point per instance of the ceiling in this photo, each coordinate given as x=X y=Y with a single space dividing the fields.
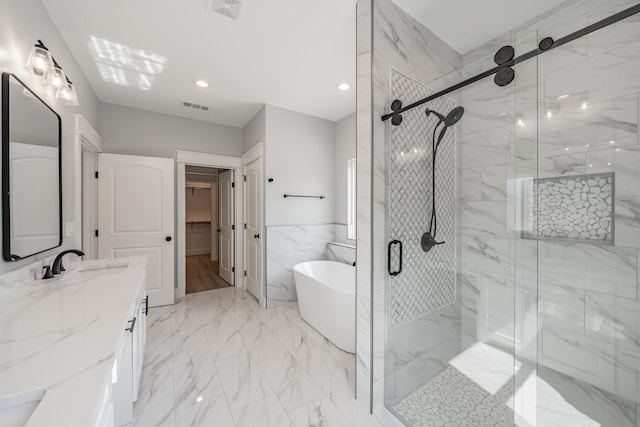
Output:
x=288 y=53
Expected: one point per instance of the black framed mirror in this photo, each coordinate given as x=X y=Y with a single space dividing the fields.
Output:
x=31 y=172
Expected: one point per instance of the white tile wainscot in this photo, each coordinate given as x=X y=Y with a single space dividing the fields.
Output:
x=62 y=335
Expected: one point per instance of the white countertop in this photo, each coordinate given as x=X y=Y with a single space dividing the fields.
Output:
x=62 y=334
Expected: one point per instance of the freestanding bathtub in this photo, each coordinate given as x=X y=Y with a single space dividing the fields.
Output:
x=327 y=300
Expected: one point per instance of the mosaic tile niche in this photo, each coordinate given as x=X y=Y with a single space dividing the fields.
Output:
x=428 y=279
x=570 y=208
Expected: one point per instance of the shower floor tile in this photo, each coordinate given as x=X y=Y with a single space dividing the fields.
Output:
x=453 y=399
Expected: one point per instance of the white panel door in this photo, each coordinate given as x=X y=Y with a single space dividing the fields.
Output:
x=136 y=207
x=253 y=235
x=226 y=227
x=214 y=221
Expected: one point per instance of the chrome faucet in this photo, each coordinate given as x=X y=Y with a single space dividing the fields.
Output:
x=57 y=263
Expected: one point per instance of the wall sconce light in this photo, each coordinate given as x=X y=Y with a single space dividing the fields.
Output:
x=40 y=60
x=54 y=78
x=43 y=64
x=67 y=93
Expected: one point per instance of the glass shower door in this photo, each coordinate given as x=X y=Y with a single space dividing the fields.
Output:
x=586 y=220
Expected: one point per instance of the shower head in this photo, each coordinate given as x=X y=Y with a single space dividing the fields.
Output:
x=452 y=118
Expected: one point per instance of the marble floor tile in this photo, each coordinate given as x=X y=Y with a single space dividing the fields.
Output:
x=224 y=339
x=216 y=358
x=291 y=384
x=158 y=413
x=157 y=376
x=242 y=381
x=267 y=412
x=321 y=412
x=262 y=343
x=205 y=411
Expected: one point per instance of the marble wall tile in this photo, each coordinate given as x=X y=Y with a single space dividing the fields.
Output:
x=627 y=218
x=485 y=218
x=584 y=78
x=288 y=246
x=613 y=319
x=617 y=35
x=562 y=307
x=364 y=151
x=340 y=253
x=585 y=130
x=604 y=365
x=486 y=255
x=565 y=401
x=597 y=268
x=625 y=165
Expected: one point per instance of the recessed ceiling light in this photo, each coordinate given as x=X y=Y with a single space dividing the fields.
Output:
x=201 y=83
x=612 y=142
x=561 y=97
x=343 y=86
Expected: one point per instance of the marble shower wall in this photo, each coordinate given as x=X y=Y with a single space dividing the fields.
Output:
x=387 y=38
x=573 y=111
x=288 y=246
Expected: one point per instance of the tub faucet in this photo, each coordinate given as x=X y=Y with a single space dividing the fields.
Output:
x=57 y=263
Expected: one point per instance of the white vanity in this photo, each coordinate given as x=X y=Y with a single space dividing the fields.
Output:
x=72 y=347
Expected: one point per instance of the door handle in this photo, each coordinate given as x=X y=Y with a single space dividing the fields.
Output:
x=168 y=238
x=219 y=230
x=133 y=325
x=399 y=270
x=256 y=236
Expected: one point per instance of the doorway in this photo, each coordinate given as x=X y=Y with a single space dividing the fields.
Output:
x=203 y=228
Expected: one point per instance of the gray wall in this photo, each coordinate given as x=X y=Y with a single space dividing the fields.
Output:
x=21 y=24
x=144 y=133
x=300 y=159
x=255 y=132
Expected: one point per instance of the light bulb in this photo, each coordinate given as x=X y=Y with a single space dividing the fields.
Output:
x=67 y=94
x=54 y=78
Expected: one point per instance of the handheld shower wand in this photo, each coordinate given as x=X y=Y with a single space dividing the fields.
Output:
x=428 y=240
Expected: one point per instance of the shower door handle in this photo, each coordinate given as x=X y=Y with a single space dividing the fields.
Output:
x=391 y=245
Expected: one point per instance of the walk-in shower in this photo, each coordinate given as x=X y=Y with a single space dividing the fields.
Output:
x=523 y=155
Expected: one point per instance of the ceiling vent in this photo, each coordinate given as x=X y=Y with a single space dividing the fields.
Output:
x=194 y=106
x=230 y=8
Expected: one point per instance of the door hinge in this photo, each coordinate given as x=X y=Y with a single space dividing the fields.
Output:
x=233 y=227
x=96 y=233
x=233 y=185
x=97 y=174
x=245 y=226
x=245 y=273
x=244 y=177
x=233 y=269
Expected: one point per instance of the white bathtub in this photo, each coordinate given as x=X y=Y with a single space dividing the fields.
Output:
x=327 y=300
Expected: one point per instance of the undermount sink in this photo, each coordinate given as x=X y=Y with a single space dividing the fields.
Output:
x=15 y=410
x=90 y=272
